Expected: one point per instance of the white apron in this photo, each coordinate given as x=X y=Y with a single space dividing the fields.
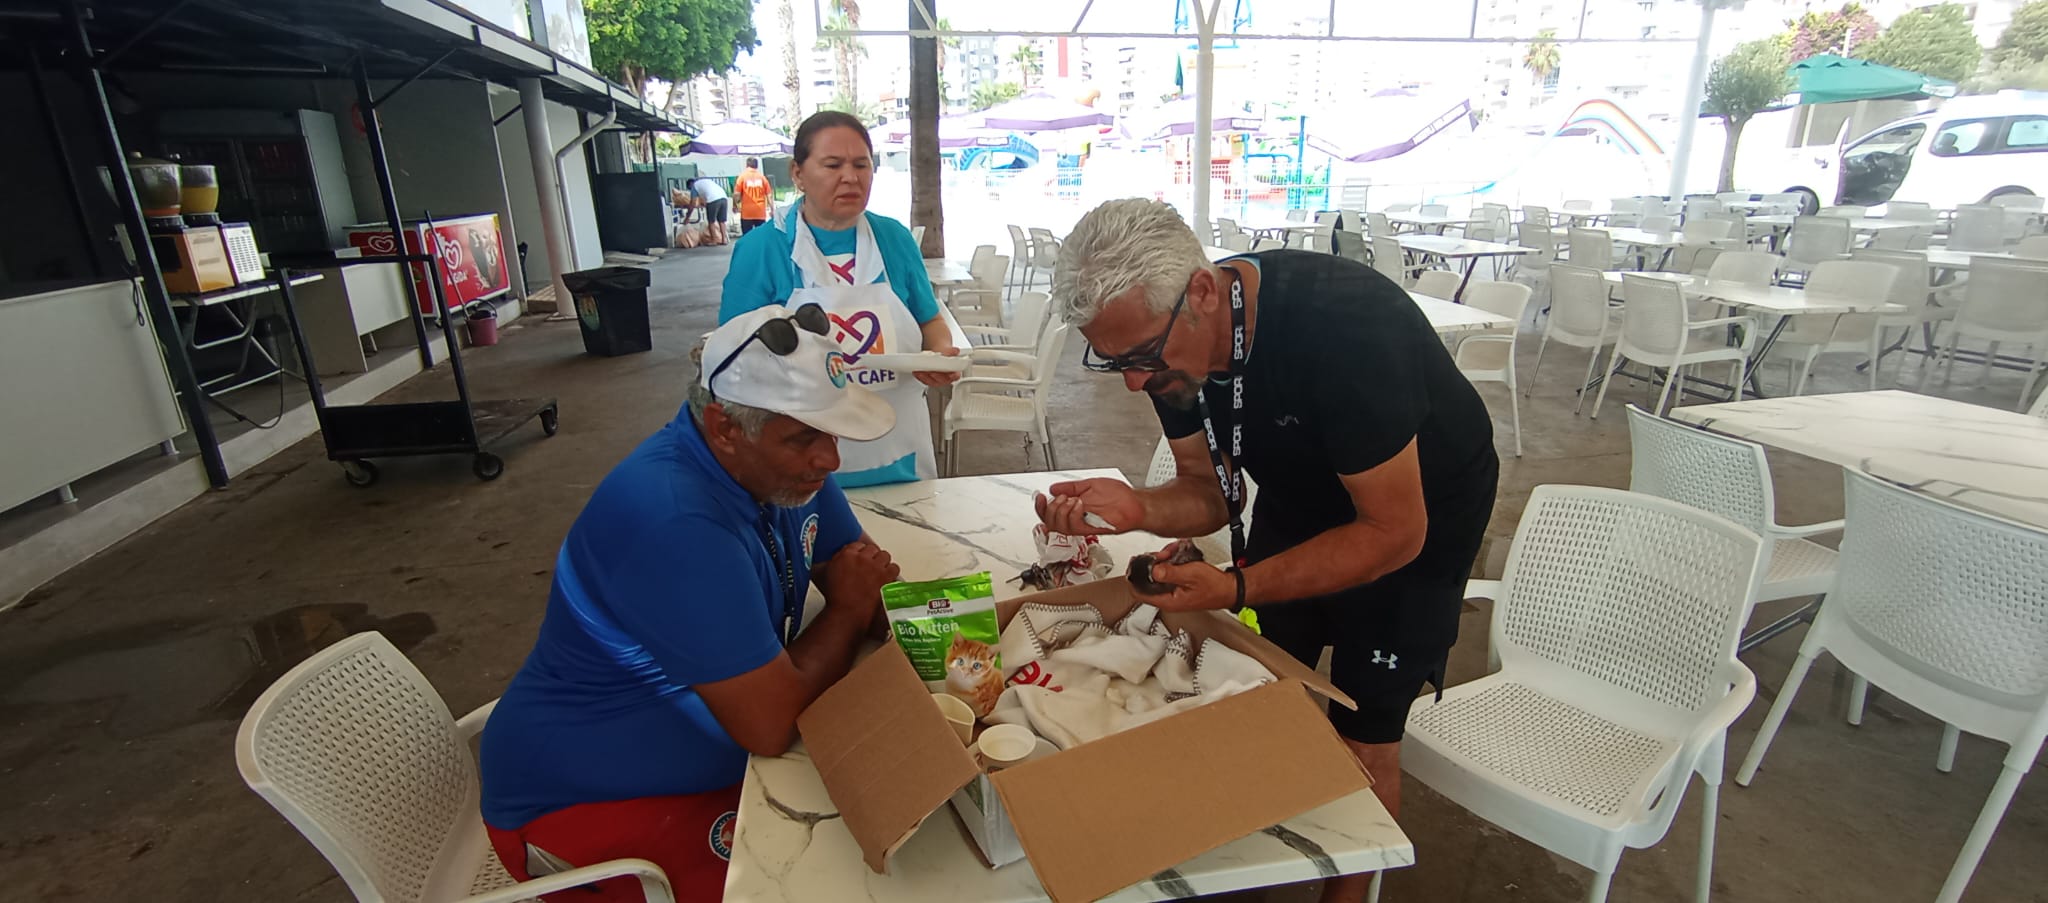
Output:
x=867 y=318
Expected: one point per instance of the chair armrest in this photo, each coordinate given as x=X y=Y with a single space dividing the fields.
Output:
x=1026 y=350
x=1712 y=727
x=975 y=295
x=1482 y=589
x=1805 y=530
x=1004 y=381
x=471 y=724
x=1721 y=321
x=998 y=354
x=653 y=883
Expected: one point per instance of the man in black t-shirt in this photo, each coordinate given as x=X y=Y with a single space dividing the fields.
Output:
x=1374 y=457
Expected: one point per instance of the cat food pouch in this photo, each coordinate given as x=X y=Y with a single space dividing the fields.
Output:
x=948 y=630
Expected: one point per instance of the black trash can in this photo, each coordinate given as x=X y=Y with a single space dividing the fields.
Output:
x=611 y=306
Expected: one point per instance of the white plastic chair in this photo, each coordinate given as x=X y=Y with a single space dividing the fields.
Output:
x=1624 y=211
x=1235 y=241
x=359 y=753
x=977 y=402
x=1615 y=628
x=1533 y=270
x=1019 y=274
x=1045 y=256
x=979 y=305
x=1731 y=478
x=1913 y=291
x=1808 y=336
x=1947 y=610
x=1226 y=227
x=1378 y=226
x=1845 y=211
x=1746 y=267
x=2004 y=301
x=2040 y=408
x=1164 y=468
x=1658 y=222
x=1728 y=197
x=1902 y=239
x=1815 y=239
x=1028 y=315
x=1977 y=227
x=1297 y=216
x=1657 y=330
x=1489 y=357
x=1590 y=249
x=1436 y=284
x=1266 y=244
x=1580 y=317
x=1911 y=212
x=2034 y=246
x=2019 y=211
x=1391 y=261
x=1700 y=207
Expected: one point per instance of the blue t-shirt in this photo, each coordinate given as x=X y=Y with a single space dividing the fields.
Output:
x=663 y=583
x=762 y=273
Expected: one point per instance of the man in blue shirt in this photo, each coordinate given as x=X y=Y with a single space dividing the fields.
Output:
x=669 y=651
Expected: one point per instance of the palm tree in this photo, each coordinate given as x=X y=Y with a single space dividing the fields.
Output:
x=846 y=49
x=945 y=43
x=1029 y=62
x=1543 y=58
x=792 y=77
x=850 y=11
x=927 y=95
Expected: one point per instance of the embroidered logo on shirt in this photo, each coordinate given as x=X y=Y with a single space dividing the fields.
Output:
x=810 y=538
x=721 y=835
x=1388 y=661
x=843 y=271
x=1286 y=420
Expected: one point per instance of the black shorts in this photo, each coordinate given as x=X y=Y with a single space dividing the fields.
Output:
x=749 y=225
x=715 y=211
x=1389 y=637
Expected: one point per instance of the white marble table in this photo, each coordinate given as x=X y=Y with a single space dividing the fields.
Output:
x=1630 y=235
x=1946 y=259
x=1436 y=221
x=1985 y=458
x=1784 y=301
x=1451 y=318
x=947 y=273
x=1466 y=249
x=791 y=846
x=1859 y=223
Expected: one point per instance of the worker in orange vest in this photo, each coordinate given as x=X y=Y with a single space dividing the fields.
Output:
x=754 y=191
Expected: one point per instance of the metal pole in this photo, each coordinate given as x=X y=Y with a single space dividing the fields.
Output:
x=1205 y=106
x=540 y=148
x=190 y=397
x=374 y=134
x=1689 y=113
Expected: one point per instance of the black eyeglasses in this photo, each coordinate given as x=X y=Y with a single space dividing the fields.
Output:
x=1148 y=358
x=778 y=336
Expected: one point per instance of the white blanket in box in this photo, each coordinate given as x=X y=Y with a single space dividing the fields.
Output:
x=1072 y=678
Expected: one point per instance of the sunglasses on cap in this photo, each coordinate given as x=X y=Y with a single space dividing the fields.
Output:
x=778 y=336
x=1147 y=358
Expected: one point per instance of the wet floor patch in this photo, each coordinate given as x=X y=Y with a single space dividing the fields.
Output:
x=161 y=675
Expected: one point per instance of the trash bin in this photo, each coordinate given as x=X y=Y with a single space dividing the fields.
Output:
x=611 y=307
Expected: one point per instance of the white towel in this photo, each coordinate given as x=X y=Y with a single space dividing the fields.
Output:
x=1073 y=678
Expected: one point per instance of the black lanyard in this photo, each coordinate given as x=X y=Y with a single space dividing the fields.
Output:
x=792 y=604
x=1227 y=472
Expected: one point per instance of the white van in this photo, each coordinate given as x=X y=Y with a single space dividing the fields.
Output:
x=1969 y=151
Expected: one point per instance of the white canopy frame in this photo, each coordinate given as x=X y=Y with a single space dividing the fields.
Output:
x=1207 y=14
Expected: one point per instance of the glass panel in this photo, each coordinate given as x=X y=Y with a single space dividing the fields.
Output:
x=1873 y=168
x=2027 y=133
x=1958 y=138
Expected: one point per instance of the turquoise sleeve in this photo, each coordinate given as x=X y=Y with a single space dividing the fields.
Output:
x=759 y=274
x=905 y=263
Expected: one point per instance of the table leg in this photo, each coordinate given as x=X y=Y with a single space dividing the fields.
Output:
x=1460 y=296
x=1757 y=359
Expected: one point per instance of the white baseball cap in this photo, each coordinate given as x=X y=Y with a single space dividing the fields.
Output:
x=809 y=383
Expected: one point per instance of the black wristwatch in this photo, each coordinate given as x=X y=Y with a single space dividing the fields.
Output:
x=1239 y=574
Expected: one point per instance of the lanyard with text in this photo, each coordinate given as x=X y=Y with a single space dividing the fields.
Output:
x=792 y=604
x=1228 y=473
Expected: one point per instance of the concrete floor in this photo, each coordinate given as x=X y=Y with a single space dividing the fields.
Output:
x=121 y=683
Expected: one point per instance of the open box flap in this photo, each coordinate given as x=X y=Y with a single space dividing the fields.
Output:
x=887 y=756
x=1104 y=815
x=1114 y=598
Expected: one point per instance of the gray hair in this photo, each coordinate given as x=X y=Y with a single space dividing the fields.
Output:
x=1121 y=244
x=751 y=420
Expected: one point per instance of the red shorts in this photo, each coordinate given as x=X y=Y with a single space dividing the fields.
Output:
x=690 y=837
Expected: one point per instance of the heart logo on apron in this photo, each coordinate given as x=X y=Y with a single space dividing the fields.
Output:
x=868 y=339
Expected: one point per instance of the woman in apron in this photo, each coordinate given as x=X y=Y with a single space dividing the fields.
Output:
x=868 y=274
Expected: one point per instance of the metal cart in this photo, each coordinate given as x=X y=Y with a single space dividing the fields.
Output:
x=356 y=433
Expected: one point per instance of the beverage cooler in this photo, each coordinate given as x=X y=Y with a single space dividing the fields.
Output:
x=471 y=256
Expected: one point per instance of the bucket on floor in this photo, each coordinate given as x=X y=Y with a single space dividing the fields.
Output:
x=483 y=325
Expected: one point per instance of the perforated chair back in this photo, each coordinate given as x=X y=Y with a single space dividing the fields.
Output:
x=1640 y=594
x=1388 y=259
x=1746 y=267
x=1691 y=466
x=1591 y=249
x=1911 y=211
x=1817 y=238
x=1163 y=467
x=1977 y=227
x=356 y=749
x=981 y=253
x=1578 y=303
x=1378 y=226
x=1658 y=222
x=1653 y=319
x=2008 y=297
x=1436 y=284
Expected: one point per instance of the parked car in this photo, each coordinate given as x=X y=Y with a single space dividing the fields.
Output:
x=1969 y=151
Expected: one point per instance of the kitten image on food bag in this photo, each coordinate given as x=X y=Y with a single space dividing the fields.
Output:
x=973 y=675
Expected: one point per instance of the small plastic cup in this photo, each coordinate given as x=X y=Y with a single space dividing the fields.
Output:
x=958 y=714
x=1004 y=745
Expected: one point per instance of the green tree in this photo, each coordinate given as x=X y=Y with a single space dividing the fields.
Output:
x=673 y=40
x=792 y=77
x=1543 y=58
x=846 y=103
x=988 y=94
x=1029 y=61
x=1931 y=40
x=2020 y=59
x=1742 y=84
x=847 y=51
x=1839 y=32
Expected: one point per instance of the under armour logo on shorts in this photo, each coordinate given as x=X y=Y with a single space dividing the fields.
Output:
x=1377 y=658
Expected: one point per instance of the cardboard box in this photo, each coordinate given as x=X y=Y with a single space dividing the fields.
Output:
x=1101 y=816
